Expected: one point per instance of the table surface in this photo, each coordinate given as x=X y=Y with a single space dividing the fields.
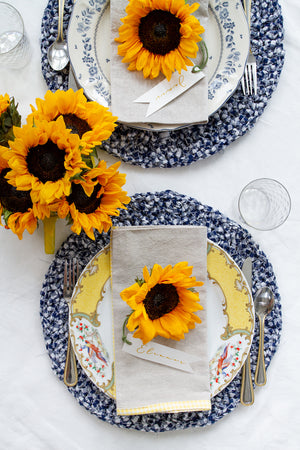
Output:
x=36 y=409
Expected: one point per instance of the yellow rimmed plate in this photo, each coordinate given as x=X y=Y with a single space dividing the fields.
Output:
x=230 y=314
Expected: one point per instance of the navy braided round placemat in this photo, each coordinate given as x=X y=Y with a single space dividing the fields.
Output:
x=234 y=119
x=161 y=208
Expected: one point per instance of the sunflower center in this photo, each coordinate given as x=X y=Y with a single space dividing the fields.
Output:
x=159 y=32
x=160 y=300
x=12 y=199
x=77 y=125
x=46 y=162
x=84 y=203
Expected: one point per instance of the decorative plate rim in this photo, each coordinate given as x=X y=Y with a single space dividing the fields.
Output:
x=79 y=323
x=235 y=42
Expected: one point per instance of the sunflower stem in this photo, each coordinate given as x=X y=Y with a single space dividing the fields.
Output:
x=124 y=339
x=204 y=52
x=49 y=234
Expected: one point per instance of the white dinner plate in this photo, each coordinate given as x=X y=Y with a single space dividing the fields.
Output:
x=227 y=38
x=230 y=314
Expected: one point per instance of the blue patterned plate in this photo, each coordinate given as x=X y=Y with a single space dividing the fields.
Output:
x=227 y=39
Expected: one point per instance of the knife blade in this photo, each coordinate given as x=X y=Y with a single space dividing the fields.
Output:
x=72 y=82
x=247 y=393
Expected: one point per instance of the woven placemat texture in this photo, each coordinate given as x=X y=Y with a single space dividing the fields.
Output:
x=160 y=208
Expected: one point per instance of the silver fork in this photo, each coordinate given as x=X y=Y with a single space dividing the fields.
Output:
x=249 y=80
x=71 y=273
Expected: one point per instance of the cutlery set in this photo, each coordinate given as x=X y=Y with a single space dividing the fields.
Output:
x=263 y=305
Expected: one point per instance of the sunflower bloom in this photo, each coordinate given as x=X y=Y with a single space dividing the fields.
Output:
x=92 y=122
x=43 y=159
x=159 y=36
x=19 y=212
x=163 y=303
x=95 y=199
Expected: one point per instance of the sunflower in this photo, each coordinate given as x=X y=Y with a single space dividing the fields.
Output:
x=94 y=199
x=9 y=117
x=163 y=303
x=92 y=122
x=44 y=158
x=16 y=205
x=159 y=36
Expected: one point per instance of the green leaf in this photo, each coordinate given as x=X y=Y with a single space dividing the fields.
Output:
x=6 y=215
x=78 y=177
x=139 y=281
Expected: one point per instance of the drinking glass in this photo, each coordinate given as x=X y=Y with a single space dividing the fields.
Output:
x=14 y=45
x=264 y=204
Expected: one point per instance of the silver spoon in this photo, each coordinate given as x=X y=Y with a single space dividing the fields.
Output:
x=264 y=302
x=58 y=55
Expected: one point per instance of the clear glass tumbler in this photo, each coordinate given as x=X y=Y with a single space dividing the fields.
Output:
x=14 y=45
x=264 y=204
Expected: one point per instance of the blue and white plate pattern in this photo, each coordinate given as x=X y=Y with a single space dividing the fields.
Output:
x=159 y=208
x=233 y=120
x=227 y=39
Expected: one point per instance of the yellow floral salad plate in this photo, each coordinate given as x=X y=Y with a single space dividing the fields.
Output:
x=227 y=38
x=230 y=314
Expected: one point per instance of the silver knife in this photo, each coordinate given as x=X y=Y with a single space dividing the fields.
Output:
x=72 y=82
x=247 y=393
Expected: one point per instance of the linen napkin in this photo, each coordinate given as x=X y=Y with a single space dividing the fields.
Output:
x=127 y=86
x=143 y=386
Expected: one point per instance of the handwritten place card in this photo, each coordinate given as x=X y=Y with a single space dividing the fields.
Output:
x=160 y=354
x=165 y=91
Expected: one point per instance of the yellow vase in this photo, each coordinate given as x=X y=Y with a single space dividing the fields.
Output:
x=49 y=234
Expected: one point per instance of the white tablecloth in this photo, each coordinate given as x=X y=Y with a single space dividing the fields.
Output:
x=36 y=410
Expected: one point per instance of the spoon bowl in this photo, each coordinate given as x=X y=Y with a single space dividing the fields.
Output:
x=58 y=55
x=263 y=303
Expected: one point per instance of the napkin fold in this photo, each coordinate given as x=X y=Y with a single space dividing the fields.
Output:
x=127 y=86
x=143 y=386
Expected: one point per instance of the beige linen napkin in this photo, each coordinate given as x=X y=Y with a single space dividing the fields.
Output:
x=127 y=86
x=144 y=386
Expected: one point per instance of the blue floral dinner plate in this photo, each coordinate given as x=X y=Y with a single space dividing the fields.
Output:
x=227 y=38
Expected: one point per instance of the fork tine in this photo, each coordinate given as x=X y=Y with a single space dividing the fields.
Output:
x=70 y=278
x=247 y=79
x=75 y=273
x=251 y=77
x=65 y=278
x=243 y=85
x=255 y=79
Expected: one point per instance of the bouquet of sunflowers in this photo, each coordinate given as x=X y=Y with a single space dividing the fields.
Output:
x=47 y=168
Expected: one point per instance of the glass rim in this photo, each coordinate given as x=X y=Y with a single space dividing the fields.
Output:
x=284 y=189
x=22 y=23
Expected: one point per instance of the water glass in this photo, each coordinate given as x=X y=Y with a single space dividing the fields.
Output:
x=14 y=45
x=264 y=204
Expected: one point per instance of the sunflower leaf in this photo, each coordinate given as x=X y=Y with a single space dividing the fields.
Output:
x=6 y=215
x=88 y=160
x=8 y=119
x=77 y=177
x=139 y=281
